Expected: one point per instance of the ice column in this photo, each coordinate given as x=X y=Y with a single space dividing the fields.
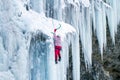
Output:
x=76 y=57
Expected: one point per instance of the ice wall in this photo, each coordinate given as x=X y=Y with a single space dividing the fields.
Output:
x=14 y=53
x=38 y=55
x=16 y=38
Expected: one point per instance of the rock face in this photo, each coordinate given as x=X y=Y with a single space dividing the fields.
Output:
x=109 y=68
x=111 y=61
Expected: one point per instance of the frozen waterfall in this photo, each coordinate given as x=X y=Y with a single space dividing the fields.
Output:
x=26 y=41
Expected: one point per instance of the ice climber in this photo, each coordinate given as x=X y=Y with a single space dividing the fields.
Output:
x=58 y=47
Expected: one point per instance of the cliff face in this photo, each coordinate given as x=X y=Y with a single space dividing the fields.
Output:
x=111 y=61
x=109 y=68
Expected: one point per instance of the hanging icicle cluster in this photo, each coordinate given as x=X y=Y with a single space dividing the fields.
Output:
x=85 y=14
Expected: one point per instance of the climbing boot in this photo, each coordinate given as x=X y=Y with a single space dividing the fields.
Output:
x=56 y=62
x=59 y=59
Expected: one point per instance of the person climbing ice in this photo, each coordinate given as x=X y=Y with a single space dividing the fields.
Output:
x=57 y=46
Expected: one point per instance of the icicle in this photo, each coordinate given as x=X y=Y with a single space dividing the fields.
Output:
x=114 y=5
x=112 y=19
x=104 y=25
x=93 y=15
x=58 y=9
x=99 y=26
x=86 y=36
x=118 y=11
x=86 y=3
x=38 y=6
x=74 y=18
x=3 y=57
x=76 y=57
x=65 y=58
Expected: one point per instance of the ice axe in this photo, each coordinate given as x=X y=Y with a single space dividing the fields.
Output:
x=56 y=29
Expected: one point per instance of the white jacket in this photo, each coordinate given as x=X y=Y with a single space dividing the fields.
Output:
x=57 y=40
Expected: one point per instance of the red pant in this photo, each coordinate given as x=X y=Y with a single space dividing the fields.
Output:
x=57 y=52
